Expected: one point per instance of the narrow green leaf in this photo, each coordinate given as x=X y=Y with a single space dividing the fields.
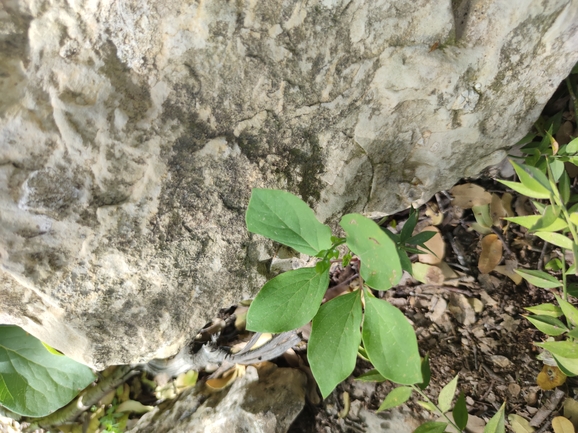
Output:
x=396 y=397
x=564 y=349
x=409 y=225
x=556 y=239
x=371 y=376
x=530 y=221
x=545 y=310
x=524 y=190
x=497 y=423
x=548 y=325
x=447 y=395
x=460 y=412
x=548 y=218
x=425 y=372
x=532 y=178
x=428 y=405
x=380 y=265
x=564 y=187
x=574 y=218
x=390 y=342
x=569 y=310
x=421 y=238
x=431 y=427
x=335 y=337
x=569 y=366
x=33 y=381
x=288 y=301
x=539 y=278
x=287 y=219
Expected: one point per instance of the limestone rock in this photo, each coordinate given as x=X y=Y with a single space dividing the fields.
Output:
x=131 y=134
x=259 y=405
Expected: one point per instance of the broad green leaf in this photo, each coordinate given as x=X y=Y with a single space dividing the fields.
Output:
x=447 y=395
x=564 y=187
x=545 y=310
x=569 y=310
x=548 y=325
x=564 y=349
x=532 y=178
x=556 y=239
x=460 y=412
x=371 y=376
x=539 y=278
x=380 y=265
x=557 y=168
x=287 y=219
x=431 y=427
x=482 y=215
x=524 y=190
x=425 y=372
x=33 y=381
x=574 y=218
x=390 y=342
x=396 y=397
x=288 y=301
x=569 y=366
x=530 y=221
x=572 y=147
x=335 y=337
x=497 y=423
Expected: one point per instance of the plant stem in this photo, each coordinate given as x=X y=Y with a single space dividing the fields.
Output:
x=425 y=397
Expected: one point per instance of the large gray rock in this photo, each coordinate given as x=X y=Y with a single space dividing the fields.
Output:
x=131 y=134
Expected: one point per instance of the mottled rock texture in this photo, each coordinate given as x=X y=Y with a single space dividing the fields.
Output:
x=131 y=134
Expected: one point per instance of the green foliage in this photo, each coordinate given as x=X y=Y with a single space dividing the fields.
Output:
x=33 y=381
x=292 y=299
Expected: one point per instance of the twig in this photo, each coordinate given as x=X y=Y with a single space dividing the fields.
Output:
x=499 y=235
x=545 y=411
x=540 y=264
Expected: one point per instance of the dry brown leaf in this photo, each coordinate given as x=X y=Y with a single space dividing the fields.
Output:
x=226 y=379
x=507 y=203
x=436 y=216
x=520 y=206
x=497 y=210
x=508 y=271
x=428 y=274
x=565 y=133
x=562 y=425
x=571 y=410
x=436 y=245
x=469 y=194
x=550 y=377
x=491 y=253
x=449 y=273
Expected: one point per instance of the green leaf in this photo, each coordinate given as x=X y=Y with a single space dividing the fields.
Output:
x=447 y=395
x=545 y=310
x=287 y=219
x=335 y=337
x=390 y=342
x=572 y=147
x=497 y=423
x=33 y=381
x=460 y=412
x=409 y=225
x=569 y=366
x=548 y=325
x=421 y=238
x=532 y=178
x=569 y=310
x=548 y=218
x=396 y=397
x=431 y=427
x=380 y=264
x=425 y=372
x=574 y=218
x=556 y=239
x=565 y=349
x=557 y=168
x=539 y=278
x=288 y=301
x=371 y=376
x=482 y=215
x=564 y=187
x=524 y=190
x=530 y=221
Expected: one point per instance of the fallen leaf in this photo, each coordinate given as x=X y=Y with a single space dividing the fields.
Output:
x=497 y=210
x=550 y=377
x=491 y=253
x=571 y=410
x=461 y=309
x=226 y=379
x=436 y=245
x=133 y=406
x=435 y=215
x=520 y=206
x=468 y=195
x=500 y=361
x=520 y=424
x=449 y=273
x=562 y=425
x=509 y=270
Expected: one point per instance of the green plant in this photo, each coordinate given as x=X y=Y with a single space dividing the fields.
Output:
x=341 y=325
x=35 y=381
x=459 y=413
x=544 y=177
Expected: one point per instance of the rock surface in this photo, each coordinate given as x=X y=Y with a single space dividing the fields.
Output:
x=266 y=404
x=131 y=134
